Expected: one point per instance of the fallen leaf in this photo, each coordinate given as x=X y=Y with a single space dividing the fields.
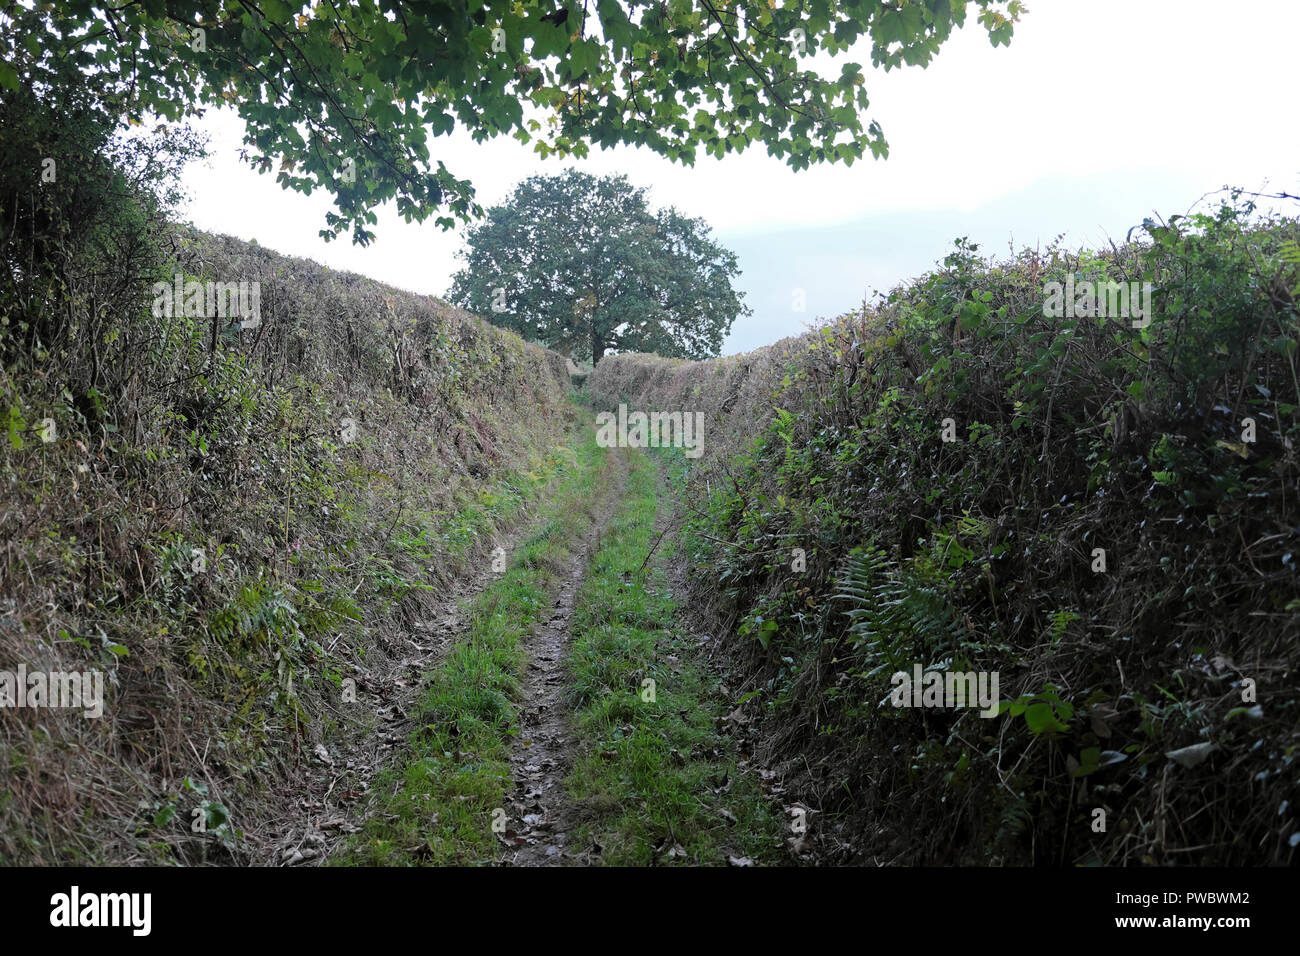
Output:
x=1191 y=756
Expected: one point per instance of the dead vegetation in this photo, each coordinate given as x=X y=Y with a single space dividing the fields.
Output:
x=231 y=524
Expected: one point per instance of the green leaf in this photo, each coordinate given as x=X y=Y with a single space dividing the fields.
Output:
x=277 y=11
x=16 y=427
x=889 y=28
x=214 y=813
x=434 y=54
x=1042 y=719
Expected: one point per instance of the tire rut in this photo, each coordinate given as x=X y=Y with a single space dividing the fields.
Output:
x=540 y=815
x=317 y=825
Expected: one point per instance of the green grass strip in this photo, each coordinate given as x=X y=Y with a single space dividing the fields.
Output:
x=656 y=781
x=437 y=809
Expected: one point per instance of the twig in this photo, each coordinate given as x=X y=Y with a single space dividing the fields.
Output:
x=652 y=550
x=730 y=544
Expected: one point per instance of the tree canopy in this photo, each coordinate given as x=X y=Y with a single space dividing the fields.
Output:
x=583 y=265
x=345 y=96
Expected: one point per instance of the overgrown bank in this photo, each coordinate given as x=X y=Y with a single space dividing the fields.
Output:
x=251 y=532
x=1111 y=526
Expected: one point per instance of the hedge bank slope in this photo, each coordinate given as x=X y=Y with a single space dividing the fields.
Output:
x=1113 y=531
x=251 y=532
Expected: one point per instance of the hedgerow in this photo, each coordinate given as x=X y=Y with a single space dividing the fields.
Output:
x=243 y=525
x=1113 y=532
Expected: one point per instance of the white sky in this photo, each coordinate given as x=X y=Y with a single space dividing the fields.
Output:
x=1098 y=113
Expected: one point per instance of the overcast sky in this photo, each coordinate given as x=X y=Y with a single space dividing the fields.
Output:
x=1098 y=113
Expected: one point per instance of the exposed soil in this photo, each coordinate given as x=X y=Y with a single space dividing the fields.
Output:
x=541 y=817
x=334 y=783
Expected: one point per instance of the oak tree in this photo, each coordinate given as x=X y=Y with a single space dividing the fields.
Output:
x=583 y=265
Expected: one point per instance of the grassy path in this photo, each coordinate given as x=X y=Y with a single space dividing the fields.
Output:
x=445 y=803
x=659 y=778
x=576 y=721
x=539 y=815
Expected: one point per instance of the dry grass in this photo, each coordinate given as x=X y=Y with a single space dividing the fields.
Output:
x=325 y=558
